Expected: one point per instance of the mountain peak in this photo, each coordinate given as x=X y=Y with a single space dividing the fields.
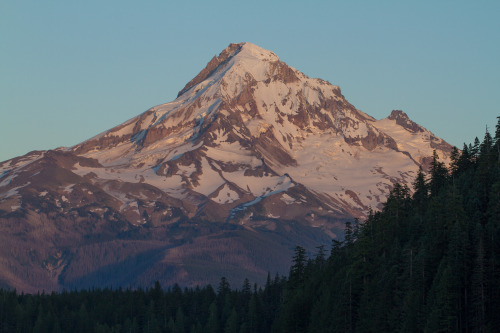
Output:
x=243 y=50
x=212 y=65
x=255 y=51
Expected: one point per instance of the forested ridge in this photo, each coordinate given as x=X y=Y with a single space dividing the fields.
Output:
x=429 y=261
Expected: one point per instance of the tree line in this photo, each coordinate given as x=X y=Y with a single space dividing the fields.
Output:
x=429 y=261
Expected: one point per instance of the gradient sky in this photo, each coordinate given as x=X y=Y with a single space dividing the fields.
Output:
x=72 y=69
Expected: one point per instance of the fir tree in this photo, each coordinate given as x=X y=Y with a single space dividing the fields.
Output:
x=439 y=174
x=298 y=267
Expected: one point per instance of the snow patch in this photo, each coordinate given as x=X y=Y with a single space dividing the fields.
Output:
x=282 y=185
x=287 y=199
x=226 y=195
x=69 y=188
x=13 y=191
x=209 y=180
x=359 y=130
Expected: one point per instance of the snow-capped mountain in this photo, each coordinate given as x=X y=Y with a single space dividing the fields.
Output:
x=250 y=144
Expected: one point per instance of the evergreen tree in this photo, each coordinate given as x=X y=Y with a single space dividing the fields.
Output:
x=213 y=319
x=420 y=187
x=232 y=324
x=478 y=283
x=496 y=140
x=298 y=267
x=474 y=149
x=464 y=161
x=320 y=258
x=246 y=289
x=224 y=287
x=180 y=321
x=486 y=146
x=253 y=314
x=439 y=174
x=455 y=158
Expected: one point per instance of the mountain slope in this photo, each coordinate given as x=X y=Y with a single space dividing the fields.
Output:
x=250 y=144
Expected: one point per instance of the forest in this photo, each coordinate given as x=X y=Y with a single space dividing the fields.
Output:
x=429 y=261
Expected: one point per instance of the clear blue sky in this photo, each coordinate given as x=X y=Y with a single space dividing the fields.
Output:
x=72 y=69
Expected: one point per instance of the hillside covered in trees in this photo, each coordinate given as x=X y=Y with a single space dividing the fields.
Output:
x=428 y=262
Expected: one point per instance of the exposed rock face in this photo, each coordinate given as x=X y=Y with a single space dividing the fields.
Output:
x=404 y=121
x=252 y=158
x=212 y=65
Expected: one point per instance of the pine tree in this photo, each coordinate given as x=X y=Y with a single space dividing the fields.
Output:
x=246 y=289
x=232 y=324
x=439 y=174
x=492 y=245
x=474 y=149
x=253 y=314
x=420 y=187
x=213 y=319
x=83 y=320
x=455 y=158
x=441 y=316
x=496 y=139
x=320 y=259
x=180 y=321
x=224 y=287
x=465 y=160
x=41 y=324
x=298 y=267
x=478 y=313
x=487 y=144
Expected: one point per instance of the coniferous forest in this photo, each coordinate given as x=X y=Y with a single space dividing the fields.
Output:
x=428 y=262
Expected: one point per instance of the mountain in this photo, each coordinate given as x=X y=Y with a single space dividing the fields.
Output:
x=251 y=159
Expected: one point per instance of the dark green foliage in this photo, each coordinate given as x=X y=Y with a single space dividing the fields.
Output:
x=152 y=310
x=428 y=262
